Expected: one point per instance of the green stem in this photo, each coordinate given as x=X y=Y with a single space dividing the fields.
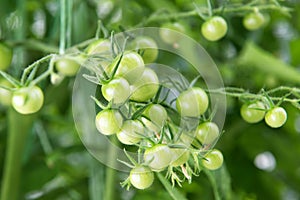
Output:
x=256 y=57
x=63 y=27
x=213 y=183
x=96 y=180
x=110 y=172
x=19 y=128
x=205 y=11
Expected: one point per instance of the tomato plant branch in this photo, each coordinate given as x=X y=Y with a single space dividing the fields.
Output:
x=204 y=11
x=63 y=21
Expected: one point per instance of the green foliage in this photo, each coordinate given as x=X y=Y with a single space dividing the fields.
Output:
x=42 y=156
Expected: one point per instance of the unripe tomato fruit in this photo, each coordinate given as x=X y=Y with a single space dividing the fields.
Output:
x=6 y=55
x=157 y=115
x=141 y=177
x=28 y=100
x=276 y=117
x=158 y=157
x=99 y=46
x=147 y=46
x=213 y=160
x=253 y=113
x=109 y=121
x=179 y=156
x=207 y=133
x=117 y=90
x=192 y=103
x=131 y=132
x=214 y=28
x=253 y=21
x=5 y=95
x=67 y=66
x=169 y=36
x=145 y=87
x=131 y=66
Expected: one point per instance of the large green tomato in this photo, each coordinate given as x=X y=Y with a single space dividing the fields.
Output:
x=109 y=121
x=145 y=87
x=131 y=66
x=5 y=95
x=147 y=46
x=131 y=132
x=192 y=102
x=207 y=133
x=28 y=100
x=141 y=177
x=6 y=55
x=117 y=90
x=253 y=113
x=158 y=157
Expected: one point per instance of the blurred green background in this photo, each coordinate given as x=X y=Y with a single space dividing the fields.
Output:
x=260 y=162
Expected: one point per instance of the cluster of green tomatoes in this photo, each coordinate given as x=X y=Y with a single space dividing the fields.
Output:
x=169 y=131
x=275 y=116
x=215 y=27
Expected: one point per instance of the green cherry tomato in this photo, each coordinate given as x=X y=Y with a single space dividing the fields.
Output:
x=214 y=28
x=179 y=156
x=147 y=46
x=5 y=95
x=254 y=112
x=28 y=100
x=6 y=55
x=98 y=47
x=169 y=36
x=158 y=157
x=109 y=121
x=67 y=66
x=131 y=66
x=207 y=133
x=131 y=132
x=213 y=160
x=192 y=103
x=254 y=21
x=141 y=177
x=276 y=117
x=117 y=90
x=145 y=87
x=157 y=115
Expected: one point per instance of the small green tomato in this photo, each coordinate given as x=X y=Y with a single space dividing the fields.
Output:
x=6 y=55
x=117 y=90
x=109 y=121
x=157 y=114
x=28 y=100
x=254 y=21
x=131 y=132
x=253 y=112
x=131 y=66
x=179 y=156
x=145 y=87
x=207 y=133
x=168 y=32
x=276 y=117
x=192 y=102
x=67 y=66
x=5 y=95
x=213 y=160
x=158 y=157
x=147 y=46
x=214 y=29
x=141 y=177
